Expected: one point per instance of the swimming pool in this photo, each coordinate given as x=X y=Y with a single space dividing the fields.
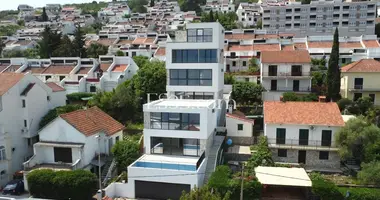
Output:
x=173 y=166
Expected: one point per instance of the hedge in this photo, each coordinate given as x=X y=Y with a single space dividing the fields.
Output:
x=75 y=97
x=74 y=185
x=326 y=189
x=361 y=193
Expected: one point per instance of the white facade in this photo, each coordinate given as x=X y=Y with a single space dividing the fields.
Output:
x=237 y=127
x=19 y=120
x=249 y=14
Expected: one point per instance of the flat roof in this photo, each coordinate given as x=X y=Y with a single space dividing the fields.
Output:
x=347 y=117
x=184 y=103
x=283 y=176
x=169 y=159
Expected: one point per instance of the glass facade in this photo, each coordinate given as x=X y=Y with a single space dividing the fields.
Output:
x=194 y=95
x=175 y=121
x=201 y=77
x=199 y=35
x=194 y=56
x=175 y=146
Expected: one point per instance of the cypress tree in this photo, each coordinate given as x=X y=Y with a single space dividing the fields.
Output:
x=44 y=15
x=211 y=16
x=78 y=43
x=333 y=72
x=151 y=3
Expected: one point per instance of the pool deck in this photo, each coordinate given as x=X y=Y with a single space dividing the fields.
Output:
x=169 y=159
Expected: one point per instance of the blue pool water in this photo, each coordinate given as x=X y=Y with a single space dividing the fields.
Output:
x=165 y=166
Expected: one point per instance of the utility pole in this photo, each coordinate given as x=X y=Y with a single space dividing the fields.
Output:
x=100 y=174
x=242 y=181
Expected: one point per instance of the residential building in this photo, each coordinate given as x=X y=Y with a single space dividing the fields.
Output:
x=180 y=131
x=361 y=79
x=240 y=128
x=284 y=71
x=73 y=141
x=303 y=132
x=321 y=18
x=249 y=14
x=219 y=6
x=24 y=100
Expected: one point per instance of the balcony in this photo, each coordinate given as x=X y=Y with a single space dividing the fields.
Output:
x=34 y=163
x=290 y=89
x=321 y=145
x=298 y=75
x=361 y=88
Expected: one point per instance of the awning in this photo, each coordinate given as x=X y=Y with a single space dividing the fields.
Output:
x=283 y=176
x=60 y=144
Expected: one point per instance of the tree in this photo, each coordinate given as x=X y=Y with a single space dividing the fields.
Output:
x=227 y=20
x=125 y=153
x=151 y=3
x=262 y=156
x=95 y=50
x=190 y=5
x=259 y=24
x=326 y=189
x=9 y=30
x=344 y=103
x=49 y=43
x=203 y=193
x=359 y=139
x=246 y=92
x=253 y=66
x=333 y=72
x=211 y=16
x=138 y=6
x=2 y=46
x=21 y=22
x=120 y=53
x=229 y=79
x=141 y=61
x=370 y=173
x=54 y=113
x=290 y=96
x=305 y=1
x=78 y=44
x=219 y=178
x=65 y=48
x=44 y=16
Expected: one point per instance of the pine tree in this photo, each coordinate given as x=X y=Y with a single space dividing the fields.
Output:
x=333 y=72
x=78 y=43
x=211 y=16
x=216 y=16
x=151 y=3
x=44 y=15
x=65 y=49
x=45 y=49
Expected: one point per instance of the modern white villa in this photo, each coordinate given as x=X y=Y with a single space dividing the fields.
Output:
x=180 y=143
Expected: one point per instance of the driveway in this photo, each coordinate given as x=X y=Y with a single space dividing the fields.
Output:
x=7 y=197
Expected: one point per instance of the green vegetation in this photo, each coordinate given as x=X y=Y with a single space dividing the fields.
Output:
x=8 y=14
x=49 y=43
x=75 y=185
x=360 y=193
x=359 y=107
x=120 y=53
x=262 y=155
x=126 y=151
x=28 y=53
x=65 y=48
x=95 y=50
x=229 y=79
x=138 y=6
x=78 y=96
x=191 y=5
x=253 y=65
x=227 y=20
x=78 y=43
x=54 y=113
x=93 y=28
x=9 y=30
x=370 y=172
x=326 y=189
x=246 y=92
x=203 y=193
x=141 y=61
x=291 y=96
x=318 y=64
x=89 y=8
x=333 y=72
x=44 y=16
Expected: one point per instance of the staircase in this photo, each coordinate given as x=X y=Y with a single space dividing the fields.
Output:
x=222 y=116
x=212 y=157
x=108 y=169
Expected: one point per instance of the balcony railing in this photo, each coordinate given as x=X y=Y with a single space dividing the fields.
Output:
x=358 y=87
x=291 y=89
x=301 y=144
x=362 y=88
x=287 y=74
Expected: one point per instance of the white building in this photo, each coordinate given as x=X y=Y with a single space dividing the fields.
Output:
x=180 y=134
x=240 y=128
x=303 y=132
x=283 y=71
x=24 y=100
x=249 y=14
x=73 y=141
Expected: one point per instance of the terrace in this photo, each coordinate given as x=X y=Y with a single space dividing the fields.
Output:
x=302 y=144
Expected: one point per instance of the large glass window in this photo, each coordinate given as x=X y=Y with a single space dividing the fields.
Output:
x=201 y=77
x=175 y=146
x=175 y=121
x=195 y=95
x=194 y=56
x=199 y=35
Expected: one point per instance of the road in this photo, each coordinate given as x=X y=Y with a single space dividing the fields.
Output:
x=24 y=196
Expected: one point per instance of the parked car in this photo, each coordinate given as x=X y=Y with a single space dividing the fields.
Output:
x=14 y=187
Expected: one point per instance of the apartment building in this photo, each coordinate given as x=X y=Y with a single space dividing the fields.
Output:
x=180 y=131
x=284 y=71
x=321 y=18
x=24 y=100
x=303 y=132
x=249 y=14
x=361 y=79
x=219 y=6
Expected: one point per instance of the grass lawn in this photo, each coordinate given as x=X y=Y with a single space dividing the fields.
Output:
x=341 y=179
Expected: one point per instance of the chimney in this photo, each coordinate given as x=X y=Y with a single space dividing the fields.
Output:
x=322 y=98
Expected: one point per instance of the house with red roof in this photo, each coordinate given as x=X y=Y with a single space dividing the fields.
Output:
x=303 y=132
x=361 y=79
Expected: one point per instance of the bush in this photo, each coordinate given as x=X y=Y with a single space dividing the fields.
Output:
x=361 y=193
x=75 y=185
x=219 y=178
x=370 y=173
x=126 y=152
x=327 y=190
x=343 y=104
x=262 y=156
x=77 y=97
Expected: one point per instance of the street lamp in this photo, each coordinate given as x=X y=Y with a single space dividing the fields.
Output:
x=100 y=178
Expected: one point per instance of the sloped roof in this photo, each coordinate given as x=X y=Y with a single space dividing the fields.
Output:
x=92 y=121
x=8 y=80
x=363 y=65
x=305 y=113
x=55 y=87
x=300 y=56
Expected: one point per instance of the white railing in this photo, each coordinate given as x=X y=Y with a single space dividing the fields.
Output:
x=30 y=163
x=75 y=165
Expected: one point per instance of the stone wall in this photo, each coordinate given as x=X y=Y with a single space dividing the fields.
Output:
x=312 y=158
x=245 y=141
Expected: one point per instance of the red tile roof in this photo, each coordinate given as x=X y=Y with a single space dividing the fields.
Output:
x=371 y=43
x=350 y=45
x=8 y=80
x=84 y=70
x=92 y=121
x=364 y=65
x=305 y=113
x=328 y=44
x=239 y=117
x=55 y=87
x=13 y=68
x=119 y=68
x=124 y=42
x=287 y=47
x=239 y=36
x=161 y=51
x=58 y=69
x=266 y=47
x=300 y=56
x=240 y=48
x=299 y=46
x=320 y=44
x=104 y=66
x=105 y=41
x=139 y=40
x=35 y=70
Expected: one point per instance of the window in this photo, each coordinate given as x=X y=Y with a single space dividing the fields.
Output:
x=61 y=78
x=326 y=138
x=282 y=153
x=199 y=35
x=280 y=135
x=234 y=63
x=372 y=96
x=244 y=63
x=29 y=142
x=323 y=155
x=117 y=138
x=23 y=103
x=303 y=137
x=48 y=98
x=25 y=123
x=202 y=77
x=47 y=78
x=194 y=95
x=357 y=96
x=175 y=121
x=194 y=56
x=240 y=127
x=92 y=88
x=2 y=153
